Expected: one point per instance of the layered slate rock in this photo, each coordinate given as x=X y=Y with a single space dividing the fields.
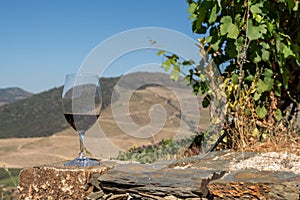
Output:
x=254 y=184
x=218 y=175
x=180 y=183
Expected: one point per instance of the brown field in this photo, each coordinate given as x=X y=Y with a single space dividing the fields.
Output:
x=105 y=141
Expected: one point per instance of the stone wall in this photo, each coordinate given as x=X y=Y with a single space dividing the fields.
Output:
x=219 y=175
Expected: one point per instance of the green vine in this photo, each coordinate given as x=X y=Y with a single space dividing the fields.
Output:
x=254 y=46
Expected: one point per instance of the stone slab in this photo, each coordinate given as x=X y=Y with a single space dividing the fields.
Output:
x=56 y=181
x=213 y=176
x=254 y=184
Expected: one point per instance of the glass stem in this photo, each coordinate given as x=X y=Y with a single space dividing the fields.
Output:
x=81 y=140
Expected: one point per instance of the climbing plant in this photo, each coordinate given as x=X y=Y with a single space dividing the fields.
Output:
x=254 y=46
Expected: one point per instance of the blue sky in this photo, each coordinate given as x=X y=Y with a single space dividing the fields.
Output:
x=42 y=41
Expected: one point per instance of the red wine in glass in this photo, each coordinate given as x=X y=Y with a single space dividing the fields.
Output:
x=81 y=101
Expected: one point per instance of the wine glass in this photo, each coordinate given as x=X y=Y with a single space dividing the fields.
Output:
x=81 y=101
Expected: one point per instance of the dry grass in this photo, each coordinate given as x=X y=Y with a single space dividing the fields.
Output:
x=26 y=152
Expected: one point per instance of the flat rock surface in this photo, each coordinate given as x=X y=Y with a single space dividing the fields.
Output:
x=218 y=175
x=56 y=181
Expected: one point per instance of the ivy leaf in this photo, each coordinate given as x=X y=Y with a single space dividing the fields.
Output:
x=255 y=32
x=261 y=112
x=228 y=27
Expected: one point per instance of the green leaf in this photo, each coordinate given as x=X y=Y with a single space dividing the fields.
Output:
x=256 y=96
x=268 y=73
x=285 y=78
x=255 y=32
x=286 y=50
x=192 y=7
x=291 y=4
x=231 y=49
x=201 y=16
x=247 y=112
x=188 y=79
x=296 y=8
x=278 y=114
x=166 y=65
x=235 y=79
x=216 y=45
x=261 y=112
x=277 y=88
x=239 y=21
x=228 y=27
x=205 y=102
x=188 y=62
x=239 y=43
x=257 y=58
x=161 y=52
x=255 y=9
x=249 y=78
x=265 y=55
x=213 y=15
x=208 y=39
x=269 y=83
x=196 y=87
x=270 y=27
x=258 y=17
x=174 y=75
x=261 y=86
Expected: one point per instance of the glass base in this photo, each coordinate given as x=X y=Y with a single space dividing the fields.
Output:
x=82 y=162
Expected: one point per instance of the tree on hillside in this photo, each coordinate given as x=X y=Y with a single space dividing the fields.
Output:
x=255 y=47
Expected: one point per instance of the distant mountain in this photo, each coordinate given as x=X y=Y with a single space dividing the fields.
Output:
x=41 y=114
x=9 y=95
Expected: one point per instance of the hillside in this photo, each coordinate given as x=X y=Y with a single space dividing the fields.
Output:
x=116 y=134
x=9 y=95
x=41 y=114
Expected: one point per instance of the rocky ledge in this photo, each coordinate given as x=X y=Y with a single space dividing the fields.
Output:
x=218 y=175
